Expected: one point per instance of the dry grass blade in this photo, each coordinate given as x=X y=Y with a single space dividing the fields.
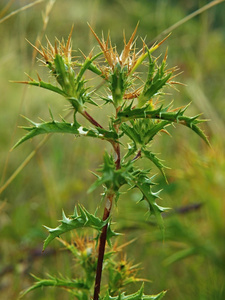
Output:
x=5 y=8
x=23 y=164
x=13 y=13
x=45 y=16
x=204 y=104
x=187 y=18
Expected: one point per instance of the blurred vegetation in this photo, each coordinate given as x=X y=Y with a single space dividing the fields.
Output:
x=190 y=262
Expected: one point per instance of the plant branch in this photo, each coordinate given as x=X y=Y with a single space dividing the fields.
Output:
x=137 y=155
x=103 y=237
x=116 y=146
x=102 y=243
x=91 y=119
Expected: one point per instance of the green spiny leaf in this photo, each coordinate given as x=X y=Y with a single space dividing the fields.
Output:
x=61 y=73
x=110 y=234
x=45 y=85
x=139 y=295
x=84 y=219
x=156 y=79
x=154 y=129
x=132 y=148
x=160 y=114
x=92 y=67
x=112 y=178
x=144 y=184
x=118 y=84
x=56 y=282
x=192 y=124
x=63 y=127
x=153 y=89
x=88 y=64
x=142 y=131
x=156 y=161
x=131 y=133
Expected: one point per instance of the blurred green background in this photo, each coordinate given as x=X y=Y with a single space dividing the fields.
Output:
x=190 y=262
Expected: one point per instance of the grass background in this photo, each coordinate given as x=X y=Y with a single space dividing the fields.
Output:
x=190 y=263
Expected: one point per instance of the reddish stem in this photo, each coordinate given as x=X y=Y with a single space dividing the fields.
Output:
x=101 y=251
x=92 y=120
x=107 y=210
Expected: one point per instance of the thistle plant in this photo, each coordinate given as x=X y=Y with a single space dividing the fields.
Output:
x=139 y=115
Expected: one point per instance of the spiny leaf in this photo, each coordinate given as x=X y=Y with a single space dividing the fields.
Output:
x=92 y=67
x=44 y=85
x=144 y=184
x=132 y=148
x=139 y=295
x=112 y=178
x=63 y=127
x=88 y=64
x=110 y=234
x=131 y=133
x=118 y=84
x=148 y=53
x=156 y=161
x=192 y=124
x=56 y=282
x=156 y=79
x=61 y=72
x=46 y=128
x=153 y=89
x=161 y=114
x=84 y=219
x=142 y=131
x=154 y=129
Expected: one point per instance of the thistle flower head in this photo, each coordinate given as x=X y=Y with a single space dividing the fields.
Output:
x=62 y=48
x=120 y=68
x=59 y=60
x=126 y=58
